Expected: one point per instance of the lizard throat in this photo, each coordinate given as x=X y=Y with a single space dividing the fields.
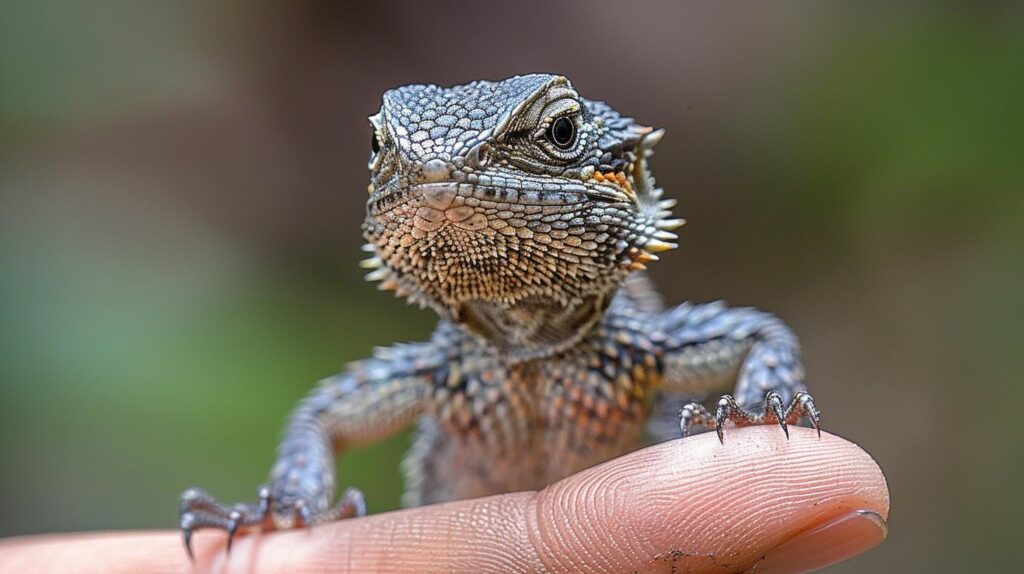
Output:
x=533 y=328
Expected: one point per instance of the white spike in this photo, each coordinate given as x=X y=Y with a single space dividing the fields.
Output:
x=368 y=247
x=670 y=224
x=371 y=263
x=665 y=235
x=667 y=203
x=378 y=275
x=656 y=246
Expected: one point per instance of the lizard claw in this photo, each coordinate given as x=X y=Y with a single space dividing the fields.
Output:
x=232 y=527
x=691 y=415
x=804 y=404
x=722 y=415
x=198 y=509
x=773 y=409
x=353 y=503
x=305 y=516
x=263 y=495
x=186 y=524
x=728 y=410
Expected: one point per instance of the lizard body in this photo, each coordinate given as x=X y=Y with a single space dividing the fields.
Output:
x=524 y=215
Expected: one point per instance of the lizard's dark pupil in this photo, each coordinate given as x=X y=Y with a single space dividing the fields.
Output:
x=374 y=144
x=562 y=132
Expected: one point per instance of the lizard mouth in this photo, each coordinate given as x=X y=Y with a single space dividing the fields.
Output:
x=456 y=199
x=499 y=191
x=473 y=207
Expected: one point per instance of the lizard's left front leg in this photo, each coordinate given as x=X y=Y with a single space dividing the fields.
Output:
x=710 y=346
x=371 y=400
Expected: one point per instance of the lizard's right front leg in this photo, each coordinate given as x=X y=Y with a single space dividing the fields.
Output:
x=371 y=400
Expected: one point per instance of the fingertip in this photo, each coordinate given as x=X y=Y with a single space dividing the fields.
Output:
x=707 y=504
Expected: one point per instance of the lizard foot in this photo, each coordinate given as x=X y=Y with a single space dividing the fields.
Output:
x=198 y=509
x=802 y=405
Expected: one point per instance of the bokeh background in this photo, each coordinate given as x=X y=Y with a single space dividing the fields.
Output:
x=181 y=187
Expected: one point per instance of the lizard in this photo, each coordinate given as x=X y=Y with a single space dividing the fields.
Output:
x=525 y=216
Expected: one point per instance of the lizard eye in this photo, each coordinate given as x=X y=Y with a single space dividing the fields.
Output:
x=375 y=143
x=562 y=133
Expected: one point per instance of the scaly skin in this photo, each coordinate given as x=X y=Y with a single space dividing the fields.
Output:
x=528 y=236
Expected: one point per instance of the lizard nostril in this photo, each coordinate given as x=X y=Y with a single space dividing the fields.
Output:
x=479 y=157
x=435 y=170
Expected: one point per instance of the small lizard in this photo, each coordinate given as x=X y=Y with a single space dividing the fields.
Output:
x=524 y=215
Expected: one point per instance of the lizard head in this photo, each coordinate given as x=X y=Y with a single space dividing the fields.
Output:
x=514 y=208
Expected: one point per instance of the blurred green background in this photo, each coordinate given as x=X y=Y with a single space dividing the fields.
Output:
x=181 y=187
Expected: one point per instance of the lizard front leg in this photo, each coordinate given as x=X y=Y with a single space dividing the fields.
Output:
x=711 y=346
x=371 y=400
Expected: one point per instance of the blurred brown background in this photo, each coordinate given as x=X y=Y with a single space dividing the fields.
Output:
x=181 y=187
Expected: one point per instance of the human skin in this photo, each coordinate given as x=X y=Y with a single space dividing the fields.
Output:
x=693 y=505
